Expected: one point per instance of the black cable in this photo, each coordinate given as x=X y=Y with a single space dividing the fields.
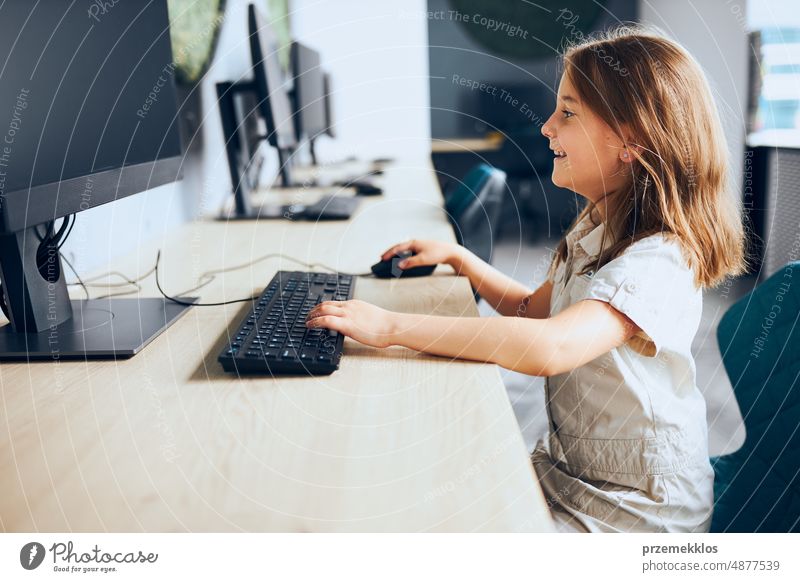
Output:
x=182 y=302
x=47 y=227
x=69 y=231
x=59 y=237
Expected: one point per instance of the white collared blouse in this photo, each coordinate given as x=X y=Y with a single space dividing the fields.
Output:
x=628 y=443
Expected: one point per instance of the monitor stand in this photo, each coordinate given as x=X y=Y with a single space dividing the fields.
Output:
x=98 y=329
x=44 y=324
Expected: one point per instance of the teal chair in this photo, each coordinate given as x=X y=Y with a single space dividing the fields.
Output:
x=473 y=209
x=757 y=488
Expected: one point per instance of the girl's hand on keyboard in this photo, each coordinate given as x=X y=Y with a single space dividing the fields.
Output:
x=361 y=321
x=428 y=252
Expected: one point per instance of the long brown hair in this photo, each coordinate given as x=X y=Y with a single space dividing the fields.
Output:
x=637 y=79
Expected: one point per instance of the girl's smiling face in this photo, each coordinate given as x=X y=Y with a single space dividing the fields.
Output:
x=590 y=159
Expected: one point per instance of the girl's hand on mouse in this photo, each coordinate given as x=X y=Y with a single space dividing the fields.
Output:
x=428 y=252
x=361 y=321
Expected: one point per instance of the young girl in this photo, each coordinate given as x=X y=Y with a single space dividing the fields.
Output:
x=612 y=326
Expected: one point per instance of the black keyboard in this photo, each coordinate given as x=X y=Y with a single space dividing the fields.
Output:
x=273 y=337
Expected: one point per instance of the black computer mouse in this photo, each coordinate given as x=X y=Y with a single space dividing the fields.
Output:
x=389 y=268
x=362 y=187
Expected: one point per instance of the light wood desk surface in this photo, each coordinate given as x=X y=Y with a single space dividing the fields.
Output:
x=166 y=441
x=457 y=145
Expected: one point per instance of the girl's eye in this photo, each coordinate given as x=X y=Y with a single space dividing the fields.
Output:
x=567 y=114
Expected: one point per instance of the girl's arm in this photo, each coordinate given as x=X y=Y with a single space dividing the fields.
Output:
x=504 y=294
x=538 y=347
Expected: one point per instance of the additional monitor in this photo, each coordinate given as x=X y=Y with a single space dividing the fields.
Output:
x=328 y=92
x=269 y=83
x=88 y=105
x=309 y=92
x=251 y=133
x=243 y=131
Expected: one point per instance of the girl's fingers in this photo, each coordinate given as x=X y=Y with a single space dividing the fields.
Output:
x=325 y=308
x=326 y=321
x=414 y=261
x=398 y=248
x=391 y=252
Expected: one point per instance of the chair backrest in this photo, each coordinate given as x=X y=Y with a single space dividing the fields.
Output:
x=473 y=209
x=757 y=488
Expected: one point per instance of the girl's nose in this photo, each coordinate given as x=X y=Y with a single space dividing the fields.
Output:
x=547 y=130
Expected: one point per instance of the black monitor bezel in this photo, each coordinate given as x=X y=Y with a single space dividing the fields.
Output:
x=328 y=88
x=283 y=137
x=302 y=105
x=28 y=207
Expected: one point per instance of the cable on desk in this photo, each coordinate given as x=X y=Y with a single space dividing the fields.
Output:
x=203 y=280
x=211 y=275
x=280 y=256
x=182 y=302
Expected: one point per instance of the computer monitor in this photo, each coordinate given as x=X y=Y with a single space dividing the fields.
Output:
x=328 y=93
x=308 y=93
x=92 y=114
x=270 y=87
x=243 y=131
x=253 y=131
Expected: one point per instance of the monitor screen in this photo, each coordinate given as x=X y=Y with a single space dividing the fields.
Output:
x=269 y=82
x=309 y=91
x=84 y=87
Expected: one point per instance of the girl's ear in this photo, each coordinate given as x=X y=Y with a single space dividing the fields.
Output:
x=629 y=147
x=625 y=155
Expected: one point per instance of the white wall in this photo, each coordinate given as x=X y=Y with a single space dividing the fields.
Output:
x=716 y=35
x=106 y=232
x=377 y=52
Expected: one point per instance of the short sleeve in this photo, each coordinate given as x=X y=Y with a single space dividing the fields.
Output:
x=652 y=285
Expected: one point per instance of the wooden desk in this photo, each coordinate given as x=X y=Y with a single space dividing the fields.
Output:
x=491 y=143
x=165 y=441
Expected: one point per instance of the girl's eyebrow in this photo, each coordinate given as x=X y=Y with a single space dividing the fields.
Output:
x=569 y=99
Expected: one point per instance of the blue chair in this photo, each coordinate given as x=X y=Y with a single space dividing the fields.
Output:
x=757 y=488
x=473 y=209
